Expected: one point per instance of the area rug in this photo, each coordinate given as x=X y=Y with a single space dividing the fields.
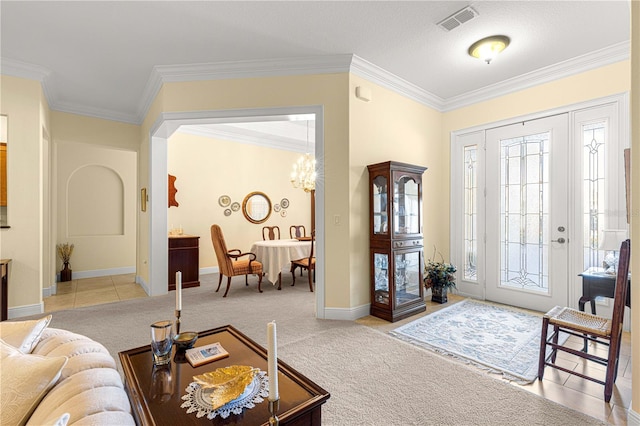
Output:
x=497 y=338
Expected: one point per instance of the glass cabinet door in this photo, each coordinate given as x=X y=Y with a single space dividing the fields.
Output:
x=408 y=283
x=381 y=278
x=380 y=210
x=406 y=205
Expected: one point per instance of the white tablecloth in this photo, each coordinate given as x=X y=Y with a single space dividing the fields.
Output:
x=276 y=255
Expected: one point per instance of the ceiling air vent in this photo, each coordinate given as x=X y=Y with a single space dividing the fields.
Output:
x=458 y=18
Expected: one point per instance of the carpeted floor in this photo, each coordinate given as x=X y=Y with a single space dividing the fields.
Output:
x=374 y=379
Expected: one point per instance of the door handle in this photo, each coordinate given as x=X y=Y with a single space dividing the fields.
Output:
x=559 y=240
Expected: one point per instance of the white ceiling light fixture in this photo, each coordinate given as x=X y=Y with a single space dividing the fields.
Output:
x=489 y=47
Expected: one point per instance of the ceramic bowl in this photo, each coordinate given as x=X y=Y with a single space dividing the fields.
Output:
x=185 y=340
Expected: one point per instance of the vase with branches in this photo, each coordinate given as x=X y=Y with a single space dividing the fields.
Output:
x=65 y=250
x=439 y=276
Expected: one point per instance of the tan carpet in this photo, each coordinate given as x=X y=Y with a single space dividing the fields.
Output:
x=373 y=378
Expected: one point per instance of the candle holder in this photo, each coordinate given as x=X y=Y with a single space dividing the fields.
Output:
x=178 y=311
x=274 y=406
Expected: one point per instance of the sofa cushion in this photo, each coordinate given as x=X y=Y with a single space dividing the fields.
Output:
x=85 y=394
x=23 y=335
x=25 y=380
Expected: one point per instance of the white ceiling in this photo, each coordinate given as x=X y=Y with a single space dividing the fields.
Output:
x=107 y=59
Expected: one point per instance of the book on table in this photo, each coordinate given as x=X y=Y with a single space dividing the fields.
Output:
x=204 y=354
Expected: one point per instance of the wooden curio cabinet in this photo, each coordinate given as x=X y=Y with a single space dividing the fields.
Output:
x=395 y=194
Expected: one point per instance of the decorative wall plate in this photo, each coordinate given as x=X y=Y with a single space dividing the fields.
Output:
x=284 y=203
x=235 y=206
x=283 y=213
x=276 y=208
x=227 y=212
x=224 y=200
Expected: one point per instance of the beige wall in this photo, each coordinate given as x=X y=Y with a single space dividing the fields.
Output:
x=77 y=128
x=206 y=168
x=589 y=85
x=24 y=241
x=330 y=91
x=635 y=197
x=97 y=204
x=392 y=127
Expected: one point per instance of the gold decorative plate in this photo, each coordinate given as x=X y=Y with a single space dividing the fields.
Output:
x=227 y=383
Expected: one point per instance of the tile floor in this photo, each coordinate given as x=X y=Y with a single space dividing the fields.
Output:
x=568 y=390
x=93 y=291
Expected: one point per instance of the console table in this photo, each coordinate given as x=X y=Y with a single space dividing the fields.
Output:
x=595 y=282
x=4 y=291
x=300 y=399
x=184 y=255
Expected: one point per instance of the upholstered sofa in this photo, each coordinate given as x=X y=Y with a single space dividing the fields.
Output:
x=56 y=377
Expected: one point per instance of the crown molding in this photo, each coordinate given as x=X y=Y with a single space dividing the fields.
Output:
x=88 y=111
x=21 y=69
x=248 y=137
x=596 y=59
x=325 y=64
x=377 y=75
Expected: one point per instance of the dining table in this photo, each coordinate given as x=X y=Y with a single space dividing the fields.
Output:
x=276 y=256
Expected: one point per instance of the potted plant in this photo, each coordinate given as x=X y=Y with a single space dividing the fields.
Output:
x=64 y=252
x=439 y=277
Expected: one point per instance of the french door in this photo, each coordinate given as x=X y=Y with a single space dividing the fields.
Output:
x=530 y=202
x=527 y=244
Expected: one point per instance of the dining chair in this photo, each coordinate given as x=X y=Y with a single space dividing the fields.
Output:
x=230 y=263
x=270 y=233
x=308 y=263
x=600 y=330
x=297 y=231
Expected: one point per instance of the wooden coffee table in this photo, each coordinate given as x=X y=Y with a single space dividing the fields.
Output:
x=300 y=399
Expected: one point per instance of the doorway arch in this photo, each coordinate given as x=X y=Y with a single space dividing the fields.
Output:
x=166 y=124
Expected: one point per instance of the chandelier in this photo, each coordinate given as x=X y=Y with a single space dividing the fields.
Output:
x=304 y=170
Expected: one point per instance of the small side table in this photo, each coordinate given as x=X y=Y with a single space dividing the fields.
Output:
x=595 y=282
x=4 y=291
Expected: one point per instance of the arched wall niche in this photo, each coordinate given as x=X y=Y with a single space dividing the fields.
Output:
x=95 y=202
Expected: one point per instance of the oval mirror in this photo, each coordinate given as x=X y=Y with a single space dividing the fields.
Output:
x=256 y=207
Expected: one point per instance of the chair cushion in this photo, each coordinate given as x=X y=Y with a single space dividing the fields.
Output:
x=241 y=267
x=581 y=321
x=25 y=380
x=304 y=262
x=23 y=335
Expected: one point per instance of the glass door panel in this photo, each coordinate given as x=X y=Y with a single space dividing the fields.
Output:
x=527 y=200
x=406 y=206
x=380 y=210
x=381 y=278
x=407 y=277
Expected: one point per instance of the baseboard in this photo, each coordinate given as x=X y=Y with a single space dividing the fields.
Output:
x=347 y=314
x=26 y=310
x=49 y=291
x=143 y=284
x=209 y=270
x=633 y=418
x=101 y=272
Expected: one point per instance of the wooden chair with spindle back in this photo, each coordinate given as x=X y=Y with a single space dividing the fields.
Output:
x=297 y=231
x=270 y=233
x=600 y=330
x=308 y=263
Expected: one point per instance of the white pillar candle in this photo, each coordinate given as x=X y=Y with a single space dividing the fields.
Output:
x=272 y=361
x=179 y=290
